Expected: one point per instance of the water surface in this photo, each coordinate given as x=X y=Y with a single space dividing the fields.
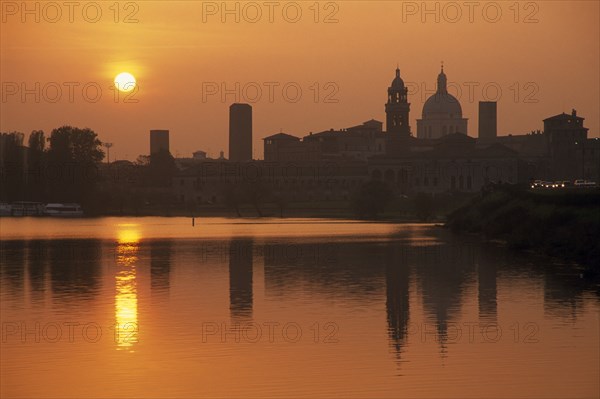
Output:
x=156 y=307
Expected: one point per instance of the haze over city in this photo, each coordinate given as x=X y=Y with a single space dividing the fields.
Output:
x=191 y=62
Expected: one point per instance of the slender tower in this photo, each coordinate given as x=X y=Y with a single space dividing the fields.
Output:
x=397 y=108
x=240 y=132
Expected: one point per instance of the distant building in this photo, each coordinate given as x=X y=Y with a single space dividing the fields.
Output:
x=199 y=155
x=284 y=146
x=159 y=141
x=331 y=165
x=297 y=181
x=452 y=163
x=397 y=108
x=488 y=122
x=565 y=134
x=588 y=156
x=356 y=142
x=240 y=133
x=442 y=113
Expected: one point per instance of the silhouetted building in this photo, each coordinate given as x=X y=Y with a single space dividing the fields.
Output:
x=199 y=155
x=159 y=141
x=442 y=113
x=356 y=142
x=283 y=146
x=397 y=108
x=240 y=132
x=488 y=123
x=449 y=164
x=588 y=155
x=331 y=165
x=564 y=134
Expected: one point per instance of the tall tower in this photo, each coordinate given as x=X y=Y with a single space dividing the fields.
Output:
x=240 y=132
x=488 y=130
x=159 y=141
x=397 y=108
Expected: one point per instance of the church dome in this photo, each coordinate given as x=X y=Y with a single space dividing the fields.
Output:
x=397 y=83
x=442 y=103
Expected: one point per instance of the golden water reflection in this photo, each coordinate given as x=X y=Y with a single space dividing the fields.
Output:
x=126 y=327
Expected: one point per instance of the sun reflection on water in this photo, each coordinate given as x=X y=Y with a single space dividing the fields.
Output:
x=126 y=287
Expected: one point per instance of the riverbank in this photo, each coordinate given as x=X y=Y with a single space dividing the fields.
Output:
x=417 y=208
x=563 y=224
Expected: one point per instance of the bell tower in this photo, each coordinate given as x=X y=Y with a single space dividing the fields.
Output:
x=397 y=108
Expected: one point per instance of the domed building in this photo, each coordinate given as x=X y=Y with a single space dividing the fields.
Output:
x=442 y=113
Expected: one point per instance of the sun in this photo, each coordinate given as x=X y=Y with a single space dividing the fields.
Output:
x=125 y=82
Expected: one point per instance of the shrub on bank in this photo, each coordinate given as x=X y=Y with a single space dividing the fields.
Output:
x=564 y=224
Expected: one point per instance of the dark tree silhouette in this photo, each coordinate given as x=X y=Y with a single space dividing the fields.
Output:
x=73 y=159
x=36 y=160
x=12 y=166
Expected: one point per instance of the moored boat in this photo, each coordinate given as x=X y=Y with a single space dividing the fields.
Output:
x=64 y=210
x=26 y=208
x=5 y=209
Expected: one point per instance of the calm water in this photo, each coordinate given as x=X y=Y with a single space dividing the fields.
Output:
x=153 y=307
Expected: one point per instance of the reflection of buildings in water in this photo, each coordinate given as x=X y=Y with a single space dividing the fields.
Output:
x=126 y=287
x=12 y=265
x=487 y=288
x=36 y=268
x=74 y=268
x=160 y=265
x=240 y=277
x=443 y=271
x=397 y=278
x=341 y=269
x=563 y=291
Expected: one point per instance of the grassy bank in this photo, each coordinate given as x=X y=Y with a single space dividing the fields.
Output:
x=561 y=223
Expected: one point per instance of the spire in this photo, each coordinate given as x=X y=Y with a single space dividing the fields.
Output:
x=398 y=70
x=442 y=83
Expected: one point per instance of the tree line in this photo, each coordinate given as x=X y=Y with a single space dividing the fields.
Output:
x=60 y=168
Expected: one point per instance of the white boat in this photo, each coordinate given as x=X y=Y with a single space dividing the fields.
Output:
x=64 y=210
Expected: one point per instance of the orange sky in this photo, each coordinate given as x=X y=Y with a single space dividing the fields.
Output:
x=175 y=49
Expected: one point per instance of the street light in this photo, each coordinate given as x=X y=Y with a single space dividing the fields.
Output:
x=107 y=145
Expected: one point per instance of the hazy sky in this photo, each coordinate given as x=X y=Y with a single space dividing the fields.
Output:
x=541 y=58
